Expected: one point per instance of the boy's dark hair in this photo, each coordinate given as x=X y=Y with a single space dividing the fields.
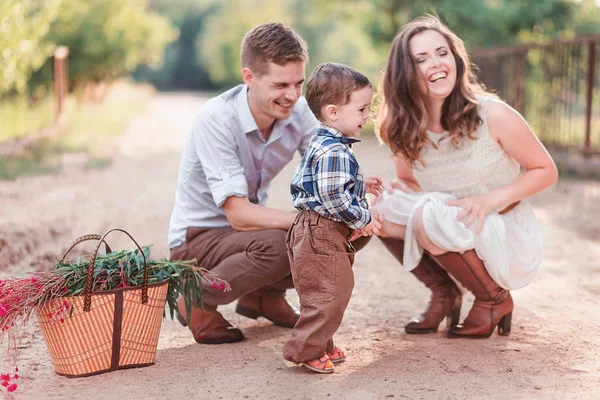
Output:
x=332 y=83
x=273 y=42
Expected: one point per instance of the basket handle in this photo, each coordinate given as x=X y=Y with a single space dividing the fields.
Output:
x=87 y=301
x=83 y=239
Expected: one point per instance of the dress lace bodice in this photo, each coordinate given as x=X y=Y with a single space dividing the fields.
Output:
x=474 y=167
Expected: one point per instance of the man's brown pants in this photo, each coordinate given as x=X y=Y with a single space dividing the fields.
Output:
x=321 y=263
x=247 y=260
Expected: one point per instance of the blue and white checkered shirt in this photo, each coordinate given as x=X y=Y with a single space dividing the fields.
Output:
x=329 y=180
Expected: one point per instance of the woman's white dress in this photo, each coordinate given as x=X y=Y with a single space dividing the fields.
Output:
x=510 y=245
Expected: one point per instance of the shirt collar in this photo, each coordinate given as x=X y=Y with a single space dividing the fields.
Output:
x=326 y=130
x=244 y=113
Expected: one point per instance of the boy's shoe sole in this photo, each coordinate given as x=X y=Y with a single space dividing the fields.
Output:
x=320 y=371
x=338 y=361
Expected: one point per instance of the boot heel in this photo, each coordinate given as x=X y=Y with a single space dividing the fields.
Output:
x=453 y=317
x=504 y=325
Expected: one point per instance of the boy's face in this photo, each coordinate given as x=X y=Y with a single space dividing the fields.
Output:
x=274 y=93
x=351 y=118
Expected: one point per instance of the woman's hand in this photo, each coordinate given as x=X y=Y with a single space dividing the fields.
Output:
x=475 y=207
x=374 y=186
x=397 y=183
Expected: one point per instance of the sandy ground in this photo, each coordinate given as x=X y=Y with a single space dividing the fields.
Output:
x=552 y=353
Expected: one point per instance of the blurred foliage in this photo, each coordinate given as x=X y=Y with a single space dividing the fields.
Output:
x=183 y=65
x=355 y=32
x=106 y=38
x=24 y=25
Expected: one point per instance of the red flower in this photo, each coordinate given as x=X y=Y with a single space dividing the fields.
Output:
x=222 y=286
x=214 y=285
x=4 y=383
x=16 y=376
x=12 y=387
x=5 y=377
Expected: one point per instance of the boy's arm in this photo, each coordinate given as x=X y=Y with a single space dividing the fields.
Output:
x=335 y=176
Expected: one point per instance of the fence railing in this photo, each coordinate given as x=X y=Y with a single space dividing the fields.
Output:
x=555 y=86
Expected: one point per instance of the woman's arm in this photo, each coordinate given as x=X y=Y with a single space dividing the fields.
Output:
x=405 y=179
x=508 y=128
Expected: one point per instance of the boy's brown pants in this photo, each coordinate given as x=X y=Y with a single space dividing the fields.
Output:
x=321 y=264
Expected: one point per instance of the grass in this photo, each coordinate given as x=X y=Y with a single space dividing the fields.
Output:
x=18 y=117
x=89 y=128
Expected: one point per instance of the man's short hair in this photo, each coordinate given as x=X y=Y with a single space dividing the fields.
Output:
x=332 y=83
x=273 y=42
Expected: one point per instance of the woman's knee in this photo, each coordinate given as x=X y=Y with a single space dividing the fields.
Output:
x=421 y=235
x=392 y=231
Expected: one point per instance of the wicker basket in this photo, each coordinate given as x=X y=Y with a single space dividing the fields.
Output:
x=107 y=330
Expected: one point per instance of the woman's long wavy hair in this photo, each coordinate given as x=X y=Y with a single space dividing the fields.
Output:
x=402 y=118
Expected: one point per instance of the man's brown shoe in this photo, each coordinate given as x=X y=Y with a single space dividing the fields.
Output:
x=274 y=308
x=208 y=325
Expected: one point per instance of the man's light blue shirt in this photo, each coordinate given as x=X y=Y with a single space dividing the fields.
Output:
x=226 y=155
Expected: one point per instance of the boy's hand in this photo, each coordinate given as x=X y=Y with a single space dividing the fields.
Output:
x=372 y=228
x=374 y=186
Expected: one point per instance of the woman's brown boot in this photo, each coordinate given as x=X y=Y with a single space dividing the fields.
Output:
x=445 y=299
x=493 y=305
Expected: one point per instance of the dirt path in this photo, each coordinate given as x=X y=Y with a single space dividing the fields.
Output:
x=553 y=352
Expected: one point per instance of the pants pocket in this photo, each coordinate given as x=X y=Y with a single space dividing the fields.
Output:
x=314 y=277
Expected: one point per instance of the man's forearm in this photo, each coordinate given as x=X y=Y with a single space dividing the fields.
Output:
x=245 y=216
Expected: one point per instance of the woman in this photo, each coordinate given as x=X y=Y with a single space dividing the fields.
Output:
x=458 y=194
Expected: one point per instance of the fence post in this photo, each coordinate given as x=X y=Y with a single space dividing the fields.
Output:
x=518 y=81
x=61 y=83
x=587 y=147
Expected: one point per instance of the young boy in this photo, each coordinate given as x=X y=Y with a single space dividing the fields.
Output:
x=329 y=190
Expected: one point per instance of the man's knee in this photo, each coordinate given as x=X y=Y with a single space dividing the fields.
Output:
x=269 y=249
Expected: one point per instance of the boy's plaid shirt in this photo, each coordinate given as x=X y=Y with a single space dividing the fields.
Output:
x=329 y=180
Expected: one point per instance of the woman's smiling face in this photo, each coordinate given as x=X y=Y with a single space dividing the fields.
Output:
x=434 y=63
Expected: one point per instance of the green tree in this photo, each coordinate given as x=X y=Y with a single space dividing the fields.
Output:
x=107 y=38
x=24 y=25
x=334 y=32
x=183 y=66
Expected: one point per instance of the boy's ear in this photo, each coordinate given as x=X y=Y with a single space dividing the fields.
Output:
x=247 y=76
x=331 y=112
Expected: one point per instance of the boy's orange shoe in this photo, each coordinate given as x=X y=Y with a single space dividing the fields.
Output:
x=321 y=365
x=337 y=356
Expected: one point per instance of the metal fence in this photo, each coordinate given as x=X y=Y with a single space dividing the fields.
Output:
x=555 y=86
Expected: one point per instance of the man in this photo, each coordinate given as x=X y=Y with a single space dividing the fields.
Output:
x=238 y=143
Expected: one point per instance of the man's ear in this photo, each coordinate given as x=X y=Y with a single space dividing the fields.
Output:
x=331 y=112
x=247 y=76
